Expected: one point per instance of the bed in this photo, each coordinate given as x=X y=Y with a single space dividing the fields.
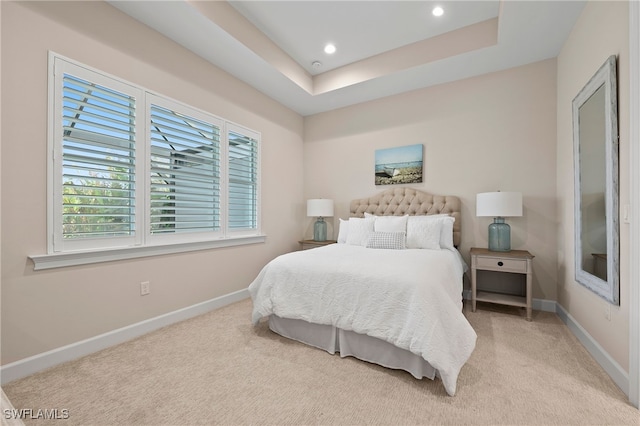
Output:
x=389 y=293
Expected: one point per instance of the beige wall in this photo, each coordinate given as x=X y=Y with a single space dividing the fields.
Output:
x=48 y=309
x=602 y=30
x=493 y=132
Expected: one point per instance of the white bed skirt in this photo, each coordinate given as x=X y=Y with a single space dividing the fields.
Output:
x=349 y=343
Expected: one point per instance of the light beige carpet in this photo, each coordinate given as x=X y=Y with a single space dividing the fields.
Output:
x=218 y=369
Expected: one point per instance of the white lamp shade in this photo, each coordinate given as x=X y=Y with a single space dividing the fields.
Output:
x=499 y=204
x=320 y=207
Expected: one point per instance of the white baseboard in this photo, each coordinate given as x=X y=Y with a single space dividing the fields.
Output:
x=612 y=368
x=544 y=305
x=26 y=367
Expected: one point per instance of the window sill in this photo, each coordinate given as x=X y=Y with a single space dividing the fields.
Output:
x=61 y=260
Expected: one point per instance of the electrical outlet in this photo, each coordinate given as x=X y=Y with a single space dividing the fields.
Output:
x=145 y=288
x=607 y=311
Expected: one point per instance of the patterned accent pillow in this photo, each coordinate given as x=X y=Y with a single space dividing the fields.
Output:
x=387 y=240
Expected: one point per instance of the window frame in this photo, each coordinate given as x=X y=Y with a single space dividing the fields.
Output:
x=143 y=243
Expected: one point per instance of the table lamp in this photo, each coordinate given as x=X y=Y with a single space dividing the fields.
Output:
x=499 y=205
x=320 y=208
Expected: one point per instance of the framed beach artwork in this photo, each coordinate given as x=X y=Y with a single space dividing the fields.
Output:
x=399 y=165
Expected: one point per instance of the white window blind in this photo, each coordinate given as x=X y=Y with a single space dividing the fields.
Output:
x=185 y=173
x=243 y=180
x=98 y=161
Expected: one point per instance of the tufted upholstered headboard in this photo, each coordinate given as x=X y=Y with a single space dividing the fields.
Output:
x=401 y=201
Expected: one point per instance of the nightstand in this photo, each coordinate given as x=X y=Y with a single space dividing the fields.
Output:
x=514 y=261
x=309 y=244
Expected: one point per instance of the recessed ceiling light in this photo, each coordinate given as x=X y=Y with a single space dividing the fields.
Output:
x=329 y=49
x=437 y=11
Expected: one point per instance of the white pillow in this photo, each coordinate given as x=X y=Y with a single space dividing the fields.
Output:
x=423 y=232
x=386 y=240
x=390 y=224
x=446 y=233
x=343 y=231
x=359 y=230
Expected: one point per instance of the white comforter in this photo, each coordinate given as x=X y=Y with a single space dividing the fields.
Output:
x=409 y=298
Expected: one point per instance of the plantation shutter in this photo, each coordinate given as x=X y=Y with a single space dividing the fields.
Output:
x=185 y=173
x=130 y=169
x=243 y=181
x=98 y=161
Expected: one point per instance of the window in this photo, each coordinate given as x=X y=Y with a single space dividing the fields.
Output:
x=185 y=170
x=98 y=161
x=243 y=180
x=131 y=168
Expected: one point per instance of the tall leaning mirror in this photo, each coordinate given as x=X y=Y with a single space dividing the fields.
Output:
x=595 y=150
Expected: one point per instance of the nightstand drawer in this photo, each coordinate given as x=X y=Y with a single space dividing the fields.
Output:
x=506 y=265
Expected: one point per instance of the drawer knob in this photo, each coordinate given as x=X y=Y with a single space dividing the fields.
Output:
x=500 y=263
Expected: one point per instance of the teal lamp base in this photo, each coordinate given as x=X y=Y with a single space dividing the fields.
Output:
x=320 y=230
x=499 y=235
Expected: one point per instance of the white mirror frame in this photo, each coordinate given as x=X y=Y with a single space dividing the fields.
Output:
x=608 y=289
